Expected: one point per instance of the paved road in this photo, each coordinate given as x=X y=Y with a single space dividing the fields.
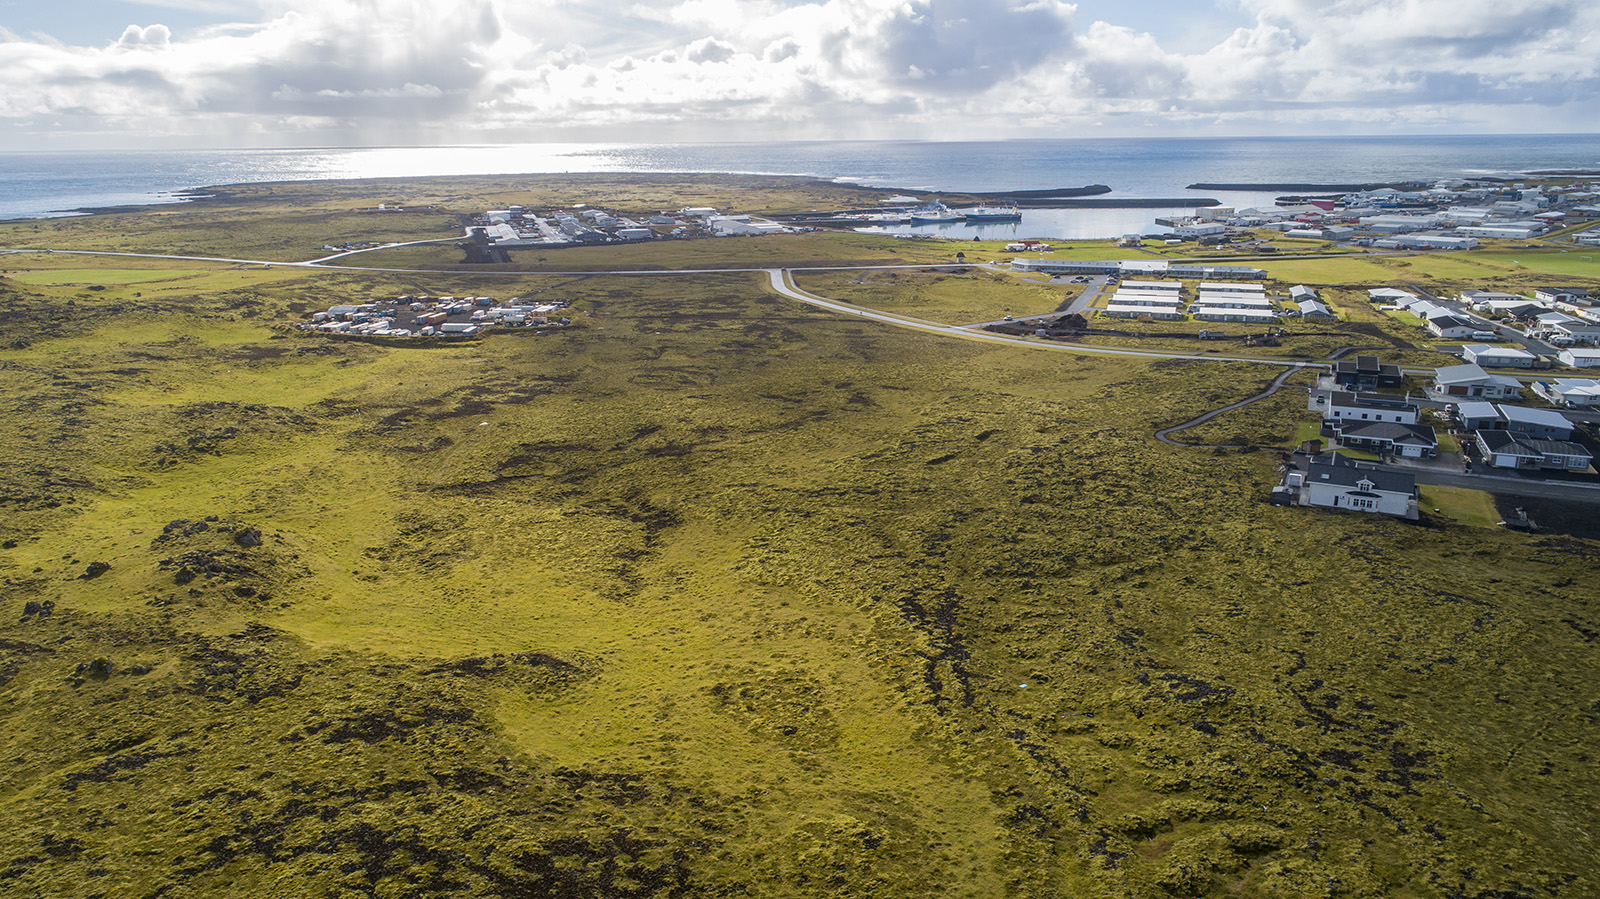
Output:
x=783 y=284
x=1532 y=345
x=780 y=281
x=1165 y=434
x=1091 y=292
x=387 y=246
x=654 y=272
x=1565 y=491
x=1078 y=304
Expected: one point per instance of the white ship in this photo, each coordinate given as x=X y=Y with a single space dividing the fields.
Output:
x=993 y=213
x=935 y=213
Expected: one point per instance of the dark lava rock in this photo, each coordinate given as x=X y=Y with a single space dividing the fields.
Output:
x=94 y=570
x=99 y=668
x=247 y=538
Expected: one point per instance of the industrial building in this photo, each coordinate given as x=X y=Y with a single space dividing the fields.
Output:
x=1137 y=267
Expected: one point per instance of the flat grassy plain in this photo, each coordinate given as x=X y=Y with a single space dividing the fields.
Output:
x=1521 y=269
x=953 y=297
x=715 y=594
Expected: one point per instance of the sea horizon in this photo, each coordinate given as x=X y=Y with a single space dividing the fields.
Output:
x=52 y=183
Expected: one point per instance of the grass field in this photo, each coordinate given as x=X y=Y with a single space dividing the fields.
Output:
x=101 y=276
x=713 y=593
x=1482 y=269
x=1473 y=508
x=972 y=296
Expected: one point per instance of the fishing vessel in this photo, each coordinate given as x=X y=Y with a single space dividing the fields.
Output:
x=935 y=213
x=993 y=213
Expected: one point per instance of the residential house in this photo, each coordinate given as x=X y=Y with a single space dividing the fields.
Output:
x=1521 y=308
x=1366 y=373
x=1546 y=423
x=1412 y=441
x=1568 y=331
x=1576 y=296
x=1543 y=423
x=1479 y=297
x=1340 y=405
x=1570 y=392
x=1425 y=309
x=1579 y=358
x=1333 y=481
x=1507 y=449
x=1389 y=296
x=1472 y=381
x=1315 y=309
x=1475 y=415
x=1449 y=327
x=1497 y=356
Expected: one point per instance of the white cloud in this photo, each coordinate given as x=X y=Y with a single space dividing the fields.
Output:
x=155 y=36
x=720 y=69
x=709 y=49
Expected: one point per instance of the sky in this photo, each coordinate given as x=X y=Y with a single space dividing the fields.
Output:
x=299 y=73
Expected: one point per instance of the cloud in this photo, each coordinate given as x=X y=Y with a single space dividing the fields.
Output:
x=1384 y=53
x=731 y=69
x=709 y=49
x=155 y=36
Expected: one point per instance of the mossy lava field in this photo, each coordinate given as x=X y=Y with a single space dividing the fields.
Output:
x=712 y=593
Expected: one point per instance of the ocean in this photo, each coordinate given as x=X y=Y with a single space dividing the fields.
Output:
x=42 y=184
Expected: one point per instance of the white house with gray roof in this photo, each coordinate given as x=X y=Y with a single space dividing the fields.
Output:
x=1498 y=356
x=1332 y=481
x=1471 y=381
x=1570 y=392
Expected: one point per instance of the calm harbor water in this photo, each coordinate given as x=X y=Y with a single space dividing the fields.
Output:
x=44 y=184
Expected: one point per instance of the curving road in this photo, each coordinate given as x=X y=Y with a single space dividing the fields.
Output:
x=783 y=283
x=1165 y=434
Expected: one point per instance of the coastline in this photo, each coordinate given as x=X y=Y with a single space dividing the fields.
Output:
x=37 y=185
x=1302 y=187
x=1086 y=197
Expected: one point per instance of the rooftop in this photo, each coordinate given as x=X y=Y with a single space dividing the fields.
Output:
x=1332 y=468
x=1477 y=409
x=1544 y=418
x=1484 y=349
x=1418 y=435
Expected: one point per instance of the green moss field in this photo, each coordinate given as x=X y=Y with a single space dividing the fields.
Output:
x=715 y=594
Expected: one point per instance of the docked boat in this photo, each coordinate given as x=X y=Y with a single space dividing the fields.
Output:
x=993 y=213
x=935 y=213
